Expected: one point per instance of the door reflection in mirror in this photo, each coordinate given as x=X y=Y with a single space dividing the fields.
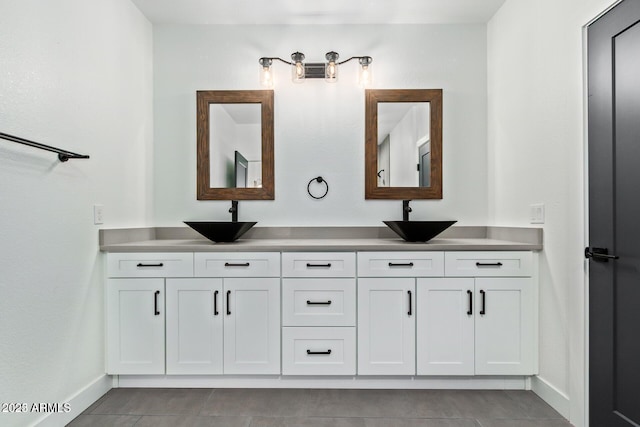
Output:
x=235 y=142
x=404 y=154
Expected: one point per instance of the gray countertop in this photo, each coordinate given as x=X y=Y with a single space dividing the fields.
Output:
x=298 y=239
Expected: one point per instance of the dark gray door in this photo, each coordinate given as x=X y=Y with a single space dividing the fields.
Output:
x=614 y=216
x=424 y=153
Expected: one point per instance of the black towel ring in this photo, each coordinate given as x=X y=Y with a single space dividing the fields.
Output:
x=320 y=180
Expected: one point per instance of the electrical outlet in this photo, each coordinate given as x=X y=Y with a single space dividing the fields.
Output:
x=537 y=213
x=98 y=214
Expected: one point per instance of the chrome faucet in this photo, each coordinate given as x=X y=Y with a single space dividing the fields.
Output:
x=405 y=210
x=233 y=210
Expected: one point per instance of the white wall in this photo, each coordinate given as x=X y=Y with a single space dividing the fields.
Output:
x=535 y=146
x=78 y=75
x=319 y=127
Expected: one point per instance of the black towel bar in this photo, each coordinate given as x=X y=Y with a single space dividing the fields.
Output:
x=63 y=155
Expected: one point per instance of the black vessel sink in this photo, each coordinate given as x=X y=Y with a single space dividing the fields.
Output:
x=221 y=231
x=418 y=231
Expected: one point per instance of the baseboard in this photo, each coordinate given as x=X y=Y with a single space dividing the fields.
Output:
x=230 y=381
x=78 y=403
x=554 y=397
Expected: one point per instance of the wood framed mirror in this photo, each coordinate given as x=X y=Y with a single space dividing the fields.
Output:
x=403 y=144
x=235 y=135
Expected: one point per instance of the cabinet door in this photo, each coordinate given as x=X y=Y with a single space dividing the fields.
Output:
x=386 y=326
x=194 y=326
x=444 y=325
x=252 y=326
x=504 y=326
x=135 y=326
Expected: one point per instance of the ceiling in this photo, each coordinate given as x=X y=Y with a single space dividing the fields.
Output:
x=307 y=12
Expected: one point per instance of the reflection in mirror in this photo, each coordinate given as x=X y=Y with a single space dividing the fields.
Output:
x=235 y=145
x=403 y=144
x=404 y=154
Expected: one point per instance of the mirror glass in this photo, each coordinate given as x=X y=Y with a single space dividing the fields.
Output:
x=403 y=144
x=404 y=154
x=235 y=145
x=235 y=149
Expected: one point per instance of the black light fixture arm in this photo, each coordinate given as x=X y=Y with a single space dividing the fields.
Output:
x=266 y=61
x=364 y=60
x=63 y=155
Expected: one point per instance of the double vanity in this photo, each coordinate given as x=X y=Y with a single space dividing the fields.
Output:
x=322 y=307
x=329 y=306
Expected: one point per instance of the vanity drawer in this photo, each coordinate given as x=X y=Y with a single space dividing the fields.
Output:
x=318 y=351
x=400 y=264
x=178 y=264
x=488 y=264
x=240 y=264
x=319 y=264
x=319 y=302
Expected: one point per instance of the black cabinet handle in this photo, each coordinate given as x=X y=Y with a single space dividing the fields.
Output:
x=409 y=293
x=327 y=265
x=318 y=302
x=155 y=303
x=238 y=264
x=141 y=265
x=470 y=311
x=215 y=303
x=488 y=264
x=484 y=301
x=228 y=302
x=400 y=264
x=319 y=352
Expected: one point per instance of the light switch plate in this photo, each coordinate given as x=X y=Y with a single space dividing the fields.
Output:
x=98 y=214
x=537 y=213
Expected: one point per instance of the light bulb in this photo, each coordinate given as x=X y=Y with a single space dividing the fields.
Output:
x=364 y=79
x=364 y=74
x=266 y=76
x=297 y=67
x=331 y=69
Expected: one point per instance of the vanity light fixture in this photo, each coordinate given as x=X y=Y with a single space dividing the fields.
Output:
x=300 y=70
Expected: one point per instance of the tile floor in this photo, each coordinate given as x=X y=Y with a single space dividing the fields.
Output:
x=126 y=407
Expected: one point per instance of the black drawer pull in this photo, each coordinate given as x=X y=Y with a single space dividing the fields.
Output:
x=319 y=352
x=238 y=264
x=327 y=265
x=470 y=311
x=318 y=302
x=488 y=264
x=409 y=293
x=484 y=301
x=228 y=303
x=150 y=265
x=215 y=303
x=400 y=264
x=155 y=303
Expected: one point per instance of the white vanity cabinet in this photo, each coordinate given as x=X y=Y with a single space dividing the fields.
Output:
x=318 y=313
x=223 y=326
x=248 y=307
x=445 y=320
x=413 y=314
x=482 y=322
x=194 y=333
x=387 y=309
x=474 y=313
x=386 y=326
x=227 y=321
x=505 y=327
x=135 y=309
x=135 y=326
